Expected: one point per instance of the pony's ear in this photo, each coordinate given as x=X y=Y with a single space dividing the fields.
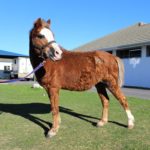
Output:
x=38 y=23
x=49 y=21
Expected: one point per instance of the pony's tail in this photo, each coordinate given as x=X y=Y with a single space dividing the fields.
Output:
x=120 y=72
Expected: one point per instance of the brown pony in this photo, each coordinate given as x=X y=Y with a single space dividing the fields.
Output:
x=76 y=71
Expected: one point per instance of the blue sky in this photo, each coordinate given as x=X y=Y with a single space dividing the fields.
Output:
x=74 y=22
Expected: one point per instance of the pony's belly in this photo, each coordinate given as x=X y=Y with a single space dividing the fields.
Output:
x=78 y=85
x=77 y=88
x=83 y=80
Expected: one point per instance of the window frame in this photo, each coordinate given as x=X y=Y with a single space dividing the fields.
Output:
x=135 y=52
x=148 y=51
x=7 y=69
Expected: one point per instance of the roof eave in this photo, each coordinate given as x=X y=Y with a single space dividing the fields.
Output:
x=126 y=46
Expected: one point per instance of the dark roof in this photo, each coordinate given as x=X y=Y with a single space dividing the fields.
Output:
x=137 y=34
x=10 y=54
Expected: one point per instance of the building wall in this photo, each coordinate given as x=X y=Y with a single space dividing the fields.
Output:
x=5 y=62
x=24 y=67
x=137 y=72
x=19 y=65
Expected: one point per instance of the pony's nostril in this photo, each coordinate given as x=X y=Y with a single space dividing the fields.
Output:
x=57 y=52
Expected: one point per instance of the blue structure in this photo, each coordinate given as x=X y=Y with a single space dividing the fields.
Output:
x=7 y=54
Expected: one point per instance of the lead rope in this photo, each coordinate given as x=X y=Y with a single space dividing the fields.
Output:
x=22 y=79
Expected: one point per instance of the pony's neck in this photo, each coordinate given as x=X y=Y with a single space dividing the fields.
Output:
x=34 y=58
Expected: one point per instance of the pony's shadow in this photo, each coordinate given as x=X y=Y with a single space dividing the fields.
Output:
x=29 y=110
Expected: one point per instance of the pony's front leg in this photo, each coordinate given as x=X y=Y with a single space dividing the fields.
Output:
x=54 y=99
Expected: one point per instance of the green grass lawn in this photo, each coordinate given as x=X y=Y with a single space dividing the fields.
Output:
x=25 y=117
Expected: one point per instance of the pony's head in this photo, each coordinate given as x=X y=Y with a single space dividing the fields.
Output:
x=43 y=42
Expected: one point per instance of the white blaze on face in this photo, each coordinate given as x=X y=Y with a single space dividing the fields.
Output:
x=48 y=34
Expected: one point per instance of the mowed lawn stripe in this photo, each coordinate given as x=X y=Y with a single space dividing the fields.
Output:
x=25 y=117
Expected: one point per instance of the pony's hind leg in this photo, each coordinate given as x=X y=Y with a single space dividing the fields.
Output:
x=101 y=90
x=116 y=91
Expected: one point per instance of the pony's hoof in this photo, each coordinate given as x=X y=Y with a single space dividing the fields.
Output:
x=50 y=134
x=131 y=126
x=131 y=123
x=101 y=123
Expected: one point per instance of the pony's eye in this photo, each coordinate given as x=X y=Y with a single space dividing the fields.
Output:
x=40 y=36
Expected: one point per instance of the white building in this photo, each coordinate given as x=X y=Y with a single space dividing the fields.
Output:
x=132 y=44
x=18 y=63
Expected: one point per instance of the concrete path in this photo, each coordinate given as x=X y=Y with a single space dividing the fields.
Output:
x=140 y=93
x=134 y=92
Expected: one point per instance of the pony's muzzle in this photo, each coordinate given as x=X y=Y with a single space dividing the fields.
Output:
x=56 y=51
x=57 y=55
x=53 y=54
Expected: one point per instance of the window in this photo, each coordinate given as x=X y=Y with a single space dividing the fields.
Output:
x=129 y=53
x=122 y=53
x=135 y=53
x=6 y=69
x=148 y=51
